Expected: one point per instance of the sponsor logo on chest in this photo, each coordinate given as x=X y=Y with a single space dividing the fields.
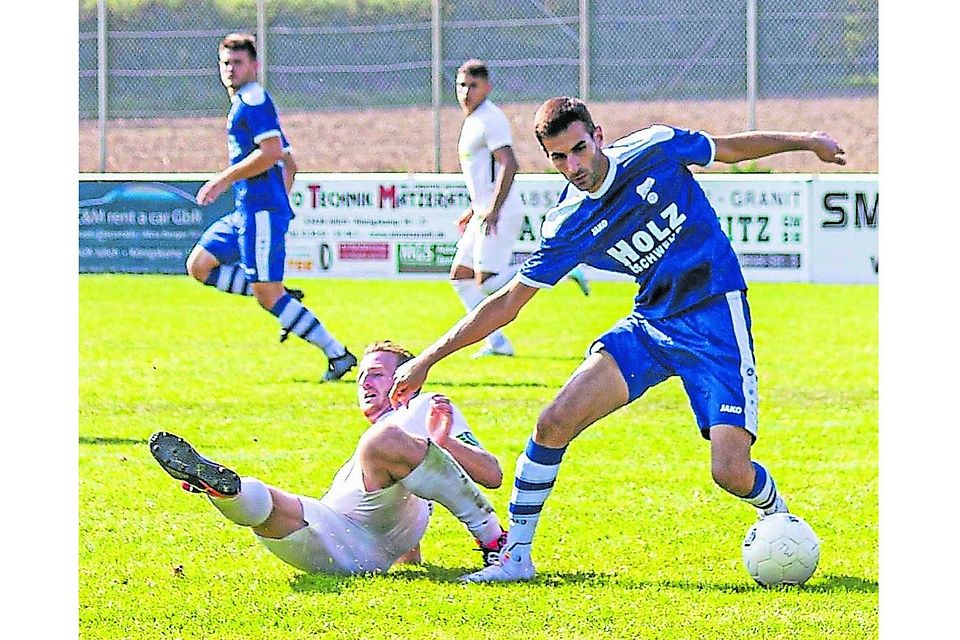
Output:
x=648 y=244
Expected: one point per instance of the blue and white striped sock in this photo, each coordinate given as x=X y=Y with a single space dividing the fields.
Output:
x=230 y=278
x=764 y=493
x=535 y=475
x=297 y=319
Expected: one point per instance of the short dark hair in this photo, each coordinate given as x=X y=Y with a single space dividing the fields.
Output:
x=475 y=68
x=556 y=114
x=239 y=42
x=389 y=346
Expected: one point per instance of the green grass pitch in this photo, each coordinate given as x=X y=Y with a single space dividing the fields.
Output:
x=635 y=541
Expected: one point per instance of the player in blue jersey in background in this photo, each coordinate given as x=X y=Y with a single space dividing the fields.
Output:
x=634 y=207
x=244 y=252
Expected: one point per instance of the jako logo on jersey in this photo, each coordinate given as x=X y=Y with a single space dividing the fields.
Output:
x=600 y=226
x=729 y=408
x=645 y=191
x=649 y=244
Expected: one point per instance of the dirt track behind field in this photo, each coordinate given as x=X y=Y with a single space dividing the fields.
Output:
x=402 y=139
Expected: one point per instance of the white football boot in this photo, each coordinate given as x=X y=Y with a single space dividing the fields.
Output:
x=501 y=347
x=513 y=567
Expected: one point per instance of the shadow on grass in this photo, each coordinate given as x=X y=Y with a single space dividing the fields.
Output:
x=446 y=383
x=316 y=582
x=825 y=584
x=489 y=383
x=437 y=573
x=97 y=440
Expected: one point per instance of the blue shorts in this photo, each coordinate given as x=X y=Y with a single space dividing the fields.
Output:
x=709 y=346
x=255 y=240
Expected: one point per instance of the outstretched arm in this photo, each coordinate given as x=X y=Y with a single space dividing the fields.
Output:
x=491 y=314
x=750 y=145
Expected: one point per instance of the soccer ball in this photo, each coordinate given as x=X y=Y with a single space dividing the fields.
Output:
x=781 y=549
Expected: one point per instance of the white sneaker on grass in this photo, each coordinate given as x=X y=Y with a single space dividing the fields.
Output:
x=513 y=567
x=503 y=349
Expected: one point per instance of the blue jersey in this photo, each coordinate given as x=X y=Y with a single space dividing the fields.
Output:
x=649 y=219
x=252 y=119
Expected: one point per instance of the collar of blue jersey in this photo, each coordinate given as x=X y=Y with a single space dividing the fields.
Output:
x=611 y=174
x=252 y=93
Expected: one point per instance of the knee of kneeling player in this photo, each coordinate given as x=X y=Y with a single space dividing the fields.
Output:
x=195 y=270
x=391 y=443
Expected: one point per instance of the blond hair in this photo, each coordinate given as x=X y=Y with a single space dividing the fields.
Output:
x=389 y=346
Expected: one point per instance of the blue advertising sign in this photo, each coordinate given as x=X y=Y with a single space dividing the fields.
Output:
x=142 y=227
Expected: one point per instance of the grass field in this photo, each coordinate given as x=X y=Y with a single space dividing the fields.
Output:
x=636 y=540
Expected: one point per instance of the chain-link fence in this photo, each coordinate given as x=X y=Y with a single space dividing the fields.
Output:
x=157 y=58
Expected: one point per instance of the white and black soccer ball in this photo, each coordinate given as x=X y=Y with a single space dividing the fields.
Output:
x=781 y=549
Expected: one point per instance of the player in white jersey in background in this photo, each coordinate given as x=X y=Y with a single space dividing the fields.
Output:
x=634 y=207
x=377 y=508
x=490 y=226
x=244 y=251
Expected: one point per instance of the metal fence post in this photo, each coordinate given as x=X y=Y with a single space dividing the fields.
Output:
x=436 y=79
x=262 y=40
x=752 y=63
x=584 y=50
x=102 y=81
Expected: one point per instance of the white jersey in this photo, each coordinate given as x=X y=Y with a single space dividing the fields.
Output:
x=483 y=132
x=351 y=530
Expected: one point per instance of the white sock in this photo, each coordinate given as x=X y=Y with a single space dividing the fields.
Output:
x=469 y=291
x=471 y=295
x=441 y=479
x=250 y=507
x=492 y=284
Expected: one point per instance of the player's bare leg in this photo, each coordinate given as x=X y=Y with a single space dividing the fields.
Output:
x=734 y=471
x=201 y=263
x=595 y=389
x=204 y=267
x=285 y=517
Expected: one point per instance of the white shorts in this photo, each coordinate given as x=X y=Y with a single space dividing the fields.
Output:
x=369 y=539
x=490 y=253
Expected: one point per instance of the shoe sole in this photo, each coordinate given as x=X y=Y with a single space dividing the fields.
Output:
x=522 y=578
x=180 y=460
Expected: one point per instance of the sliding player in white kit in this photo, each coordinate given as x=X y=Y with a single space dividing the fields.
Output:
x=377 y=509
x=490 y=226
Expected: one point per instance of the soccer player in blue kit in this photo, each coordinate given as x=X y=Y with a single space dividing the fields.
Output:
x=633 y=207
x=244 y=251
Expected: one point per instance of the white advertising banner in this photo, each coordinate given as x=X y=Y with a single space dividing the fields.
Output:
x=393 y=225
x=844 y=229
x=765 y=219
x=784 y=228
